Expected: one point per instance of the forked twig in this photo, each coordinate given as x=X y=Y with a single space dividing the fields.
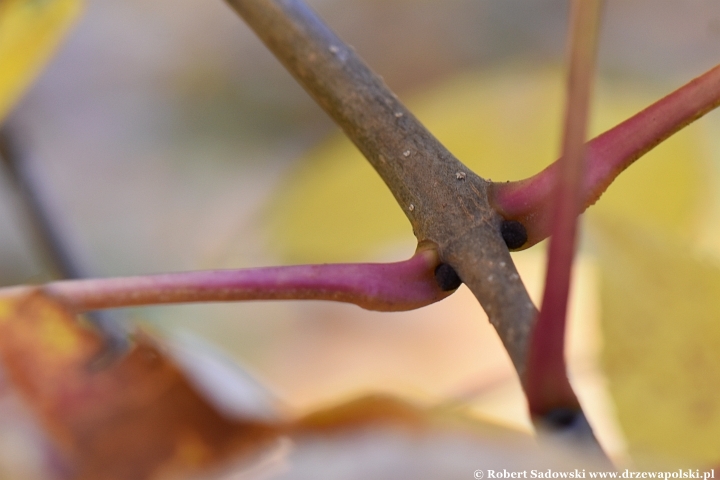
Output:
x=445 y=202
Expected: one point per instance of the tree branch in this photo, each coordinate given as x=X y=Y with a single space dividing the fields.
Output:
x=445 y=202
x=608 y=155
x=387 y=287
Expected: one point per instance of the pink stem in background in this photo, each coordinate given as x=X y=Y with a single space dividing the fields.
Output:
x=546 y=383
x=529 y=201
x=374 y=286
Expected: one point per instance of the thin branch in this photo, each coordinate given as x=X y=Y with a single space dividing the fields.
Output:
x=385 y=287
x=528 y=201
x=445 y=202
x=546 y=382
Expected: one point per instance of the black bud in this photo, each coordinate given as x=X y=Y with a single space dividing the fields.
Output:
x=447 y=278
x=561 y=418
x=514 y=234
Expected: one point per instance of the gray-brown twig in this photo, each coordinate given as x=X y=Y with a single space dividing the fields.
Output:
x=445 y=202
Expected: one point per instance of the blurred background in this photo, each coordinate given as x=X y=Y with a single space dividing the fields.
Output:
x=167 y=138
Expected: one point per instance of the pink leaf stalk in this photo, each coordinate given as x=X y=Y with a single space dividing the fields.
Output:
x=529 y=201
x=546 y=383
x=374 y=286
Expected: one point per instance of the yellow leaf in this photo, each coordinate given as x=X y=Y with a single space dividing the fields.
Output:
x=505 y=125
x=660 y=307
x=30 y=30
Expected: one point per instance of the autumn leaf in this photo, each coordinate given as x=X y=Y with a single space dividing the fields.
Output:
x=126 y=418
x=383 y=437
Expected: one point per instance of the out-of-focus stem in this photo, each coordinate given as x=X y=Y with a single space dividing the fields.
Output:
x=46 y=233
x=374 y=286
x=546 y=383
x=529 y=201
x=50 y=241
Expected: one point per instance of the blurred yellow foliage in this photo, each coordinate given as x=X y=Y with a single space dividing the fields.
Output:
x=30 y=31
x=660 y=309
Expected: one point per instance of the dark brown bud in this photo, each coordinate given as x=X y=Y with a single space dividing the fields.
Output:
x=514 y=234
x=447 y=278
